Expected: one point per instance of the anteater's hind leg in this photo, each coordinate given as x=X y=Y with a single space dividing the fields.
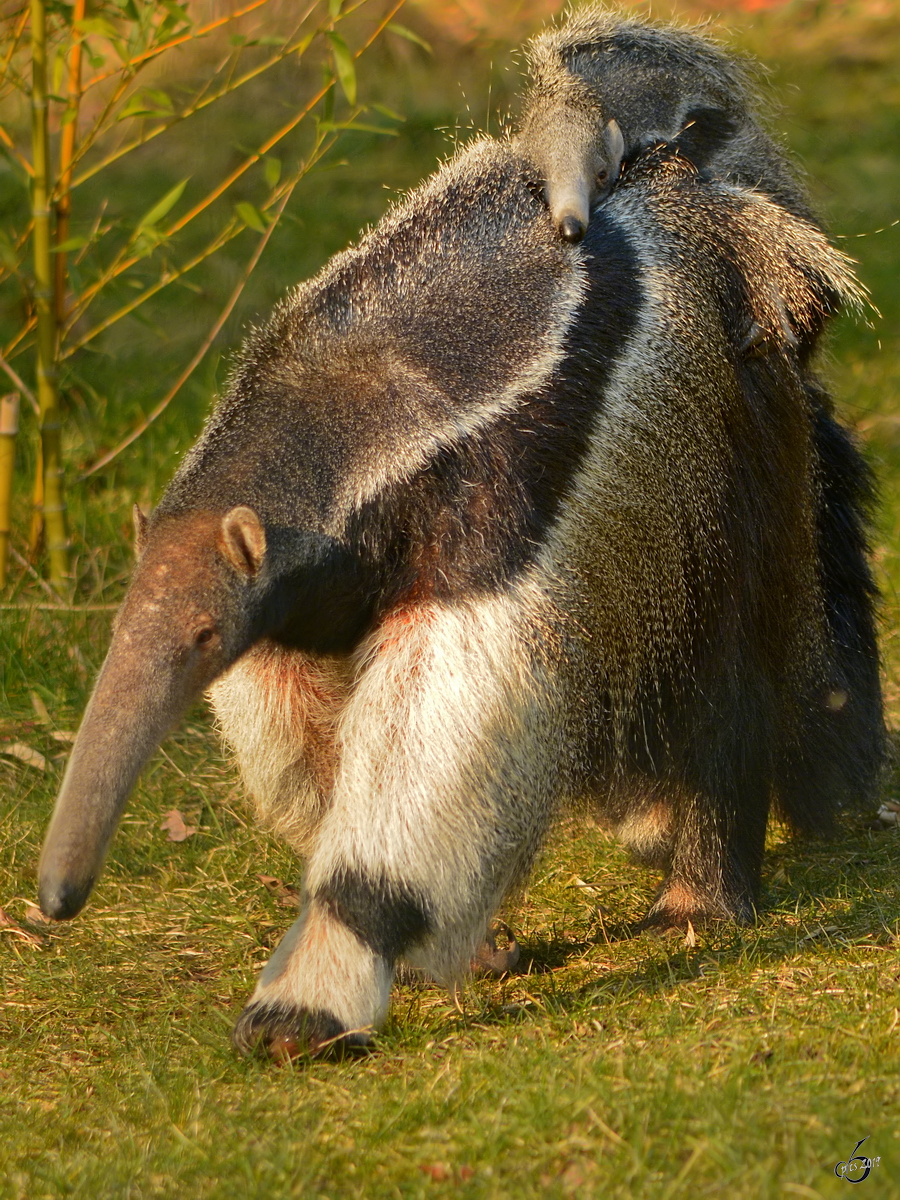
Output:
x=448 y=773
x=716 y=859
x=718 y=807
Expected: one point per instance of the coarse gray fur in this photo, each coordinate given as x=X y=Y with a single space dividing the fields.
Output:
x=604 y=86
x=486 y=522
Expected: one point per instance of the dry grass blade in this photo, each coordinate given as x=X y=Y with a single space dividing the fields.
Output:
x=25 y=754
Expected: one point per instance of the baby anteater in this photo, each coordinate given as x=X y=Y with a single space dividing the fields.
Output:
x=603 y=87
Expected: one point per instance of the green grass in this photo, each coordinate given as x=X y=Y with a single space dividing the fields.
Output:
x=745 y=1065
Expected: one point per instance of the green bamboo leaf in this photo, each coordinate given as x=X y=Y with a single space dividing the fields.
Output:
x=328 y=102
x=388 y=112
x=272 y=171
x=343 y=62
x=148 y=102
x=402 y=31
x=59 y=66
x=157 y=96
x=72 y=243
x=178 y=13
x=98 y=25
x=250 y=216
x=238 y=39
x=331 y=126
x=334 y=8
x=147 y=241
x=159 y=210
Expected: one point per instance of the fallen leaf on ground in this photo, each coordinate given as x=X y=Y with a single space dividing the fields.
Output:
x=35 y=917
x=40 y=708
x=8 y=925
x=285 y=894
x=437 y=1171
x=25 y=754
x=177 y=830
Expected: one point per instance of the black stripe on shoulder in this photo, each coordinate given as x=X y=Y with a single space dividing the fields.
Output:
x=475 y=516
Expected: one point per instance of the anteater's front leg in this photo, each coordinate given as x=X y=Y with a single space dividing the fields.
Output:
x=448 y=769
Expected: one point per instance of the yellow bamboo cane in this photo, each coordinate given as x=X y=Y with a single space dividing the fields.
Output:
x=54 y=511
x=9 y=427
x=66 y=152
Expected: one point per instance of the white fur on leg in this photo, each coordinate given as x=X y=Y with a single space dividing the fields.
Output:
x=449 y=765
x=321 y=967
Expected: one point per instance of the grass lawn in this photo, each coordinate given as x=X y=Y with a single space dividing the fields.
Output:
x=739 y=1063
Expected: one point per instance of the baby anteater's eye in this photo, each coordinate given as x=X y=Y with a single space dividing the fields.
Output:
x=204 y=636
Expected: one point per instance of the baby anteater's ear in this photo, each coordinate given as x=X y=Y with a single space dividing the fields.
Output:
x=615 y=150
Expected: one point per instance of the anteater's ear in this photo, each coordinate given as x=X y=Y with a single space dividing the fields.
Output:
x=140 y=530
x=243 y=540
x=615 y=148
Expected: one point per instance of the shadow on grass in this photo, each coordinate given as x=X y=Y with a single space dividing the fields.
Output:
x=818 y=895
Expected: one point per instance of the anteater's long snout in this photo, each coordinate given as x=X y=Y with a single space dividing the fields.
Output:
x=129 y=713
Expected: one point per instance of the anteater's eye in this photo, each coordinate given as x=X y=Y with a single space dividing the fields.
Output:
x=602 y=177
x=204 y=636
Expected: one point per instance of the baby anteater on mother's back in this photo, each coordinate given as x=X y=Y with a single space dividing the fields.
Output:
x=486 y=521
x=604 y=87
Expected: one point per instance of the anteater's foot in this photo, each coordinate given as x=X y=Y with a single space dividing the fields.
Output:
x=498 y=954
x=280 y=1032
x=680 y=905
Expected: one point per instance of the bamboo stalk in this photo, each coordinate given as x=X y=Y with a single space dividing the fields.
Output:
x=124 y=261
x=66 y=152
x=207 y=342
x=232 y=230
x=53 y=508
x=198 y=104
x=36 y=528
x=9 y=427
x=191 y=35
x=14 y=40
